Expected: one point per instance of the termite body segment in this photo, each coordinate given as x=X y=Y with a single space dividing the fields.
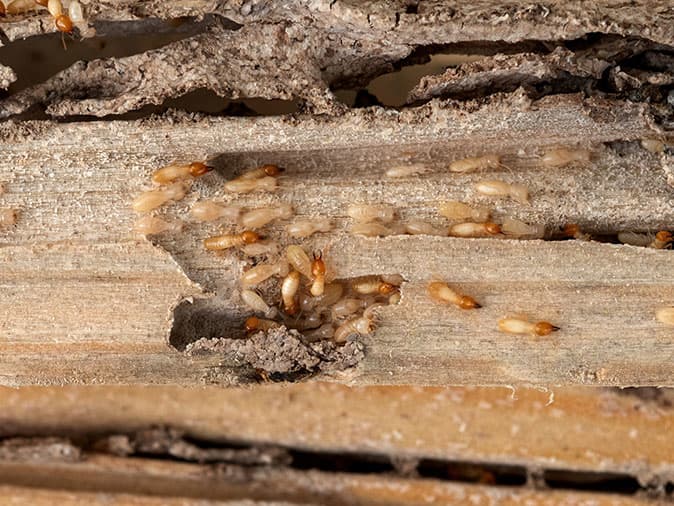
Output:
x=373 y=285
x=459 y=211
x=259 y=273
x=250 y=185
x=304 y=228
x=496 y=188
x=173 y=172
x=347 y=307
x=663 y=240
x=653 y=145
x=289 y=289
x=8 y=217
x=635 y=238
x=371 y=229
x=325 y=331
x=62 y=21
x=512 y=227
x=19 y=6
x=420 y=227
x=470 y=229
x=665 y=315
x=260 y=248
x=262 y=171
x=366 y=213
x=359 y=325
x=513 y=325
x=405 y=171
x=255 y=324
x=207 y=210
x=299 y=260
x=226 y=241
x=318 y=272
x=258 y=218
x=563 y=156
x=476 y=163
x=441 y=292
x=151 y=225
x=256 y=303
x=152 y=199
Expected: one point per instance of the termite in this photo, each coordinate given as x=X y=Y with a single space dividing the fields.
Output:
x=441 y=292
x=331 y=294
x=635 y=239
x=325 y=331
x=260 y=248
x=262 y=171
x=517 y=325
x=21 y=6
x=366 y=213
x=420 y=227
x=477 y=163
x=470 y=229
x=653 y=145
x=299 y=260
x=62 y=21
x=249 y=185
x=375 y=229
x=262 y=272
x=516 y=228
x=495 y=188
x=562 y=156
x=8 y=217
x=258 y=218
x=289 y=288
x=304 y=228
x=256 y=303
x=207 y=210
x=173 y=172
x=151 y=225
x=573 y=231
x=255 y=324
x=665 y=315
x=459 y=211
x=226 y=241
x=152 y=199
x=346 y=307
x=372 y=285
x=405 y=171
x=359 y=325
x=318 y=274
x=663 y=240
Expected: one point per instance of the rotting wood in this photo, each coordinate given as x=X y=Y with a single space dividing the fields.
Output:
x=71 y=258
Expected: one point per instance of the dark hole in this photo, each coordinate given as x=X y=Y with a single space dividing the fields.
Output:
x=340 y=462
x=472 y=473
x=598 y=482
x=412 y=9
x=669 y=488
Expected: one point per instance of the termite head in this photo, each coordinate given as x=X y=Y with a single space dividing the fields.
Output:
x=571 y=230
x=272 y=170
x=64 y=23
x=318 y=265
x=387 y=288
x=199 y=169
x=664 y=236
x=492 y=228
x=252 y=324
x=466 y=302
x=544 y=328
x=250 y=237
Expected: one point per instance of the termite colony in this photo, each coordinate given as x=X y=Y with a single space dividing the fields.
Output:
x=66 y=17
x=292 y=286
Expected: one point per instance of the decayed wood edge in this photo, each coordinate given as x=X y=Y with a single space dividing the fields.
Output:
x=561 y=428
x=103 y=473
x=73 y=243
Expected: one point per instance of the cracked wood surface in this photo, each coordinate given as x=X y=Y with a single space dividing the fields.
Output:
x=85 y=301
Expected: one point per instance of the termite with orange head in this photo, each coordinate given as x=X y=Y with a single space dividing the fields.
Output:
x=663 y=240
x=62 y=21
x=255 y=324
x=400 y=171
x=268 y=184
x=373 y=285
x=149 y=200
x=496 y=188
x=8 y=217
x=289 y=289
x=441 y=292
x=151 y=225
x=262 y=272
x=490 y=161
x=173 y=172
x=470 y=229
x=226 y=241
x=356 y=326
x=262 y=171
x=665 y=315
x=573 y=231
x=563 y=156
x=518 y=325
x=258 y=218
x=304 y=228
x=207 y=210
x=459 y=211
x=318 y=273
x=366 y=213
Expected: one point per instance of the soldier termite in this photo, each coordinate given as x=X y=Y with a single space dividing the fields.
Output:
x=173 y=172
x=359 y=325
x=62 y=21
x=152 y=199
x=665 y=315
x=518 y=325
x=299 y=260
x=289 y=288
x=366 y=213
x=490 y=161
x=207 y=210
x=258 y=218
x=256 y=303
x=249 y=185
x=318 y=274
x=8 y=217
x=563 y=156
x=372 y=285
x=420 y=227
x=573 y=231
x=469 y=229
x=255 y=324
x=151 y=225
x=262 y=272
x=405 y=171
x=262 y=171
x=495 y=188
x=304 y=228
x=441 y=292
x=226 y=241
x=459 y=211
x=663 y=240
x=512 y=227
x=653 y=145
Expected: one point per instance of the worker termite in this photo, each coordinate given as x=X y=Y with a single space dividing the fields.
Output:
x=256 y=303
x=477 y=163
x=635 y=239
x=258 y=218
x=495 y=188
x=470 y=229
x=8 y=217
x=573 y=231
x=346 y=307
x=62 y=21
x=260 y=248
x=516 y=228
x=304 y=228
x=262 y=272
x=173 y=172
x=366 y=213
x=226 y=241
x=372 y=285
x=518 y=325
x=441 y=292
x=207 y=210
x=563 y=156
x=249 y=185
x=663 y=240
x=289 y=288
x=262 y=171
x=325 y=331
x=299 y=260
x=152 y=199
x=665 y=315
x=151 y=225
x=255 y=324
x=359 y=326
x=372 y=229
x=653 y=145
x=318 y=274
x=420 y=227
x=406 y=171
x=459 y=211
